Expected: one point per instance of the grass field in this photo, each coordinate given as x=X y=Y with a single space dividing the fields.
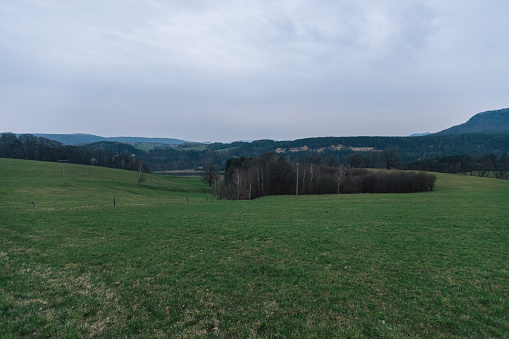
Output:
x=198 y=148
x=144 y=146
x=168 y=261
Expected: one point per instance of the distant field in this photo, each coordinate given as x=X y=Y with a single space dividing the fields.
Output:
x=182 y=173
x=187 y=173
x=168 y=261
x=193 y=148
x=225 y=150
x=145 y=146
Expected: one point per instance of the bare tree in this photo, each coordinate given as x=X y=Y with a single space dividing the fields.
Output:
x=217 y=190
x=332 y=161
x=391 y=157
x=502 y=167
x=140 y=167
x=236 y=184
x=370 y=159
x=11 y=145
x=209 y=174
x=354 y=160
x=340 y=177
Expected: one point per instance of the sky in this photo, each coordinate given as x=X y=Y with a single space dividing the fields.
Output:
x=206 y=70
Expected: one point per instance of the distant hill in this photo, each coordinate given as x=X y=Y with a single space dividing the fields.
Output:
x=82 y=139
x=490 y=122
x=113 y=147
x=419 y=134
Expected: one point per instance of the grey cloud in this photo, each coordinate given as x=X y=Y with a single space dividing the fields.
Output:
x=227 y=70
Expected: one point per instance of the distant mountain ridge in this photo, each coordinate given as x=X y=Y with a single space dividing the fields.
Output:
x=484 y=133
x=489 y=122
x=83 y=139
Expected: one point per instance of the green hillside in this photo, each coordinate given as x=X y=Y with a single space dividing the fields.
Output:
x=87 y=186
x=168 y=261
x=490 y=122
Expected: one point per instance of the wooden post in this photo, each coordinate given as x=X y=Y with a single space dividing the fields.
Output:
x=113 y=202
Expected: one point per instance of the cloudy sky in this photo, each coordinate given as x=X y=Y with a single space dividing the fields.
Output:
x=207 y=70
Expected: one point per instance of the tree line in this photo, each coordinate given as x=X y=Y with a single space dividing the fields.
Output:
x=386 y=152
x=272 y=174
x=481 y=165
x=411 y=149
x=30 y=147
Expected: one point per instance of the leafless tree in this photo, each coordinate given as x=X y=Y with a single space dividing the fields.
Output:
x=209 y=174
x=332 y=161
x=354 y=160
x=370 y=159
x=236 y=184
x=502 y=167
x=391 y=157
x=340 y=176
x=140 y=167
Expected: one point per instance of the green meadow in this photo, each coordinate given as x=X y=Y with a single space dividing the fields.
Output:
x=170 y=261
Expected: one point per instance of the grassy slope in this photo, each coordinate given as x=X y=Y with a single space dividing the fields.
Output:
x=145 y=146
x=420 y=265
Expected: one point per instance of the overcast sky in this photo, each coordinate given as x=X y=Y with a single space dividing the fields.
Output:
x=245 y=70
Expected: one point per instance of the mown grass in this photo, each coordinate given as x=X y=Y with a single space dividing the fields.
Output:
x=429 y=264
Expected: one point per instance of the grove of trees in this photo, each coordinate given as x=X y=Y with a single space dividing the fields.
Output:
x=313 y=158
x=478 y=164
x=271 y=174
x=30 y=147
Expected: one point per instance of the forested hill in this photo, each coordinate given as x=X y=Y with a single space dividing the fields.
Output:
x=82 y=139
x=490 y=122
x=329 y=150
x=485 y=133
x=411 y=148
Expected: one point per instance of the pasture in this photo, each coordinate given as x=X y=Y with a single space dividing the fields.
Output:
x=169 y=261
